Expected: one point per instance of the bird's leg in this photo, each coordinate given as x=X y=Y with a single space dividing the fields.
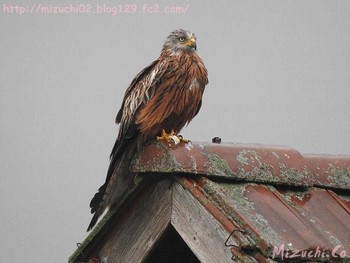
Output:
x=169 y=137
x=172 y=137
x=164 y=136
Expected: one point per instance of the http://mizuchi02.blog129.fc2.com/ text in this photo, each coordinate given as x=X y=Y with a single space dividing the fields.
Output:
x=93 y=9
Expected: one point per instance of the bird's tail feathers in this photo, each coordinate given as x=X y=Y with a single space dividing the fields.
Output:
x=118 y=178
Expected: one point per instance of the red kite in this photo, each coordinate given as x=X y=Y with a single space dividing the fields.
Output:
x=160 y=101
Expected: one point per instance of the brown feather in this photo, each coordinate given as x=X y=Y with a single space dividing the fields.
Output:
x=167 y=95
x=178 y=96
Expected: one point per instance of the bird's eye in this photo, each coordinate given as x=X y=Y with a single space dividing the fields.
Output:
x=182 y=39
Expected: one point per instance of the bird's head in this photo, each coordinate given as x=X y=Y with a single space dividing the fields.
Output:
x=181 y=40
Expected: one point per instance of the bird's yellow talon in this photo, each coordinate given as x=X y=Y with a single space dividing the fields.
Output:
x=165 y=136
x=172 y=137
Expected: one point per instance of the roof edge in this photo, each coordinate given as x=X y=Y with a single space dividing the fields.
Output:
x=246 y=162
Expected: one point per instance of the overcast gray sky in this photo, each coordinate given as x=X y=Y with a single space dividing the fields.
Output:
x=278 y=72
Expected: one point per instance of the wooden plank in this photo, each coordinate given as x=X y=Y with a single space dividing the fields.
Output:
x=204 y=235
x=92 y=240
x=135 y=232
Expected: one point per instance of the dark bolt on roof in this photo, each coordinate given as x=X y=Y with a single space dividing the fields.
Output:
x=267 y=203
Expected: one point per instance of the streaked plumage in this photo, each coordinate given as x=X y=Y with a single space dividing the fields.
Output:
x=167 y=95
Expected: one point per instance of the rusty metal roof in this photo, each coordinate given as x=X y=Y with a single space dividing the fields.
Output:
x=275 y=197
x=273 y=202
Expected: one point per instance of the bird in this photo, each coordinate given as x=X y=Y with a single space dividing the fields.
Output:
x=162 y=98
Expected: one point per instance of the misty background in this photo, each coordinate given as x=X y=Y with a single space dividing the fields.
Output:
x=279 y=73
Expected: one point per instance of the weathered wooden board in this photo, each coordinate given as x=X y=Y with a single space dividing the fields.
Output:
x=135 y=232
x=198 y=228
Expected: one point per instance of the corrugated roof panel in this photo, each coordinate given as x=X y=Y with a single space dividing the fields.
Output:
x=274 y=220
x=345 y=201
x=302 y=219
x=326 y=215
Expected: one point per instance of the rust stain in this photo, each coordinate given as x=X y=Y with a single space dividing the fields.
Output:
x=275 y=194
x=300 y=219
x=214 y=193
x=250 y=162
x=192 y=186
x=275 y=211
x=340 y=201
x=330 y=170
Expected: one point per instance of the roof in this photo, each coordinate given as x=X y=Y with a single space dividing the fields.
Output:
x=243 y=202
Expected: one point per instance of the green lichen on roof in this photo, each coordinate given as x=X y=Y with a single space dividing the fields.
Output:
x=241 y=203
x=216 y=165
x=164 y=161
x=237 y=200
x=214 y=194
x=248 y=157
x=194 y=164
x=263 y=173
x=292 y=175
x=263 y=168
x=339 y=178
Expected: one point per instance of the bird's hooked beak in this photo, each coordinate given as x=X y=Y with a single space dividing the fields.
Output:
x=191 y=43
